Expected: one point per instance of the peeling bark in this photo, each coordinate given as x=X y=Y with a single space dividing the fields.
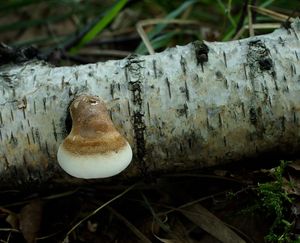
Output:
x=188 y=107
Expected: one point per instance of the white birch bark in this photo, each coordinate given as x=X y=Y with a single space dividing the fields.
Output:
x=187 y=107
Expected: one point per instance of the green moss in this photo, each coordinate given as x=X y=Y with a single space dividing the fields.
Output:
x=275 y=201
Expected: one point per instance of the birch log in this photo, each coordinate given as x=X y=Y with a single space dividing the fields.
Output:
x=188 y=107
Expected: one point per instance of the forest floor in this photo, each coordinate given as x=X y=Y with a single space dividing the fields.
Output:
x=222 y=204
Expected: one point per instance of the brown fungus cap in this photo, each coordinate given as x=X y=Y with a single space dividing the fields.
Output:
x=94 y=148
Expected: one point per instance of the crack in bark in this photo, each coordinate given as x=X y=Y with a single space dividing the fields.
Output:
x=134 y=77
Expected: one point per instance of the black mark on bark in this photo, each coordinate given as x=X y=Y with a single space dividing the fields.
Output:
x=38 y=138
x=32 y=134
x=281 y=41
x=265 y=64
x=183 y=64
x=112 y=87
x=220 y=121
x=54 y=130
x=245 y=71
x=253 y=116
x=6 y=161
x=294 y=115
x=295 y=34
x=34 y=107
x=44 y=103
x=11 y=115
x=293 y=70
x=180 y=147
x=169 y=88
x=183 y=111
x=128 y=107
x=207 y=123
x=275 y=82
x=63 y=82
x=225 y=59
x=148 y=109
x=28 y=139
x=13 y=140
x=201 y=53
x=47 y=149
x=24 y=113
x=154 y=68
x=190 y=143
x=187 y=94
x=259 y=59
x=76 y=75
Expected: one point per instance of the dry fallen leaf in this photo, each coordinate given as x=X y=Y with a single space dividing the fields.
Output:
x=295 y=164
x=292 y=185
x=10 y=217
x=92 y=227
x=30 y=220
x=201 y=217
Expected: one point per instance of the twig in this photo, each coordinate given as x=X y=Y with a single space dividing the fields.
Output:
x=97 y=210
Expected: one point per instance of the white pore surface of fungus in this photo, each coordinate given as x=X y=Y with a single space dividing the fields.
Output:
x=95 y=165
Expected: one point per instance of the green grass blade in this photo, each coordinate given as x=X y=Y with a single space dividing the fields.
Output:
x=228 y=35
x=99 y=26
x=159 y=28
x=172 y=15
x=226 y=11
x=266 y=4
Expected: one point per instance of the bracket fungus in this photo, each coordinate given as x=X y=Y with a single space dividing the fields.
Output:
x=94 y=148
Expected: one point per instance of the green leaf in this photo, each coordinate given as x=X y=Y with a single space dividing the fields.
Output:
x=99 y=26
